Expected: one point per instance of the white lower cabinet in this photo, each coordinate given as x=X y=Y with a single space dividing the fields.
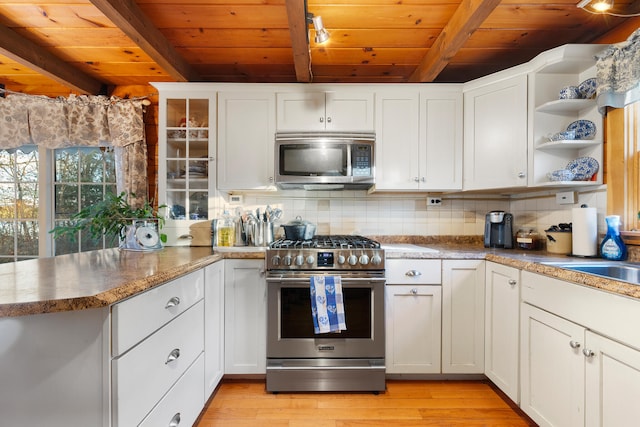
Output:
x=612 y=383
x=156 y=338
x=213 y=326
x=552 y=368
x=502 y=314
x=245 y=296
x=182 y=404
x=580 y=357
x=413 y=298
x=142 y=376
x=463 y=316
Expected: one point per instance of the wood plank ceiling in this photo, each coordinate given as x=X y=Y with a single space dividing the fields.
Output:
x=57 y=47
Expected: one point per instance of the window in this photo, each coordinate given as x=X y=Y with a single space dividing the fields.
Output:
x=622 y=167
x=81 y=176
x=19 y=201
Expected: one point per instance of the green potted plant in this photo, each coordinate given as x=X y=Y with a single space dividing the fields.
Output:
x=136 y=228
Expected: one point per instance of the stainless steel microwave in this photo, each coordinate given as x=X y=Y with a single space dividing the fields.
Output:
x=325 y=160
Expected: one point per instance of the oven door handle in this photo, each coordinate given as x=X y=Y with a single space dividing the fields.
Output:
x=345 y=280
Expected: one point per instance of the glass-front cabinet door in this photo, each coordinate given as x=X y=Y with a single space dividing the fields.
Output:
x=186 y=163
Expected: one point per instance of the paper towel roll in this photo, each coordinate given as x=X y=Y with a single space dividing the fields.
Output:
x=585 y=231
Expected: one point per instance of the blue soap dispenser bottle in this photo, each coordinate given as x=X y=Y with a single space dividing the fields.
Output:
x=612 y=246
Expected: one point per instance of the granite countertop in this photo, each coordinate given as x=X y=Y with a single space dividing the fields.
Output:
x=101 y=278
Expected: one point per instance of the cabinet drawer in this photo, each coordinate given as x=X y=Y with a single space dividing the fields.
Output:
x=414 y=271
x=138 y=317
x=143 y=375
x=183 y=403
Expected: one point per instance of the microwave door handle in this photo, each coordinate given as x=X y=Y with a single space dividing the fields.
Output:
x=349 y=159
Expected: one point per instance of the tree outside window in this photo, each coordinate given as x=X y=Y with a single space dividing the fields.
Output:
x=19 y=201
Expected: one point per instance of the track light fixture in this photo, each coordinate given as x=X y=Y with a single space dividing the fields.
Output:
x=601 y=7
x=322 y=35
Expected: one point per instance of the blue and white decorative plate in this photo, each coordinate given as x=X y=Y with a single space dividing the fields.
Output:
x=585 y=129
x=587 y=89
x=583 y=168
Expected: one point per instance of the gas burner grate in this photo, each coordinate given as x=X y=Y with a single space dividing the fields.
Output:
x=327 y=242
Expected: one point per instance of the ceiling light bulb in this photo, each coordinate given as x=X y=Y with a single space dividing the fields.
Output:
x=602 y=5
x=322 y=35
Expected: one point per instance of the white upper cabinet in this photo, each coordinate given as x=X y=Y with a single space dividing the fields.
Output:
x=440 y=141
x=419 y=138
x=340 y=110
x=186 y=161
x=397 y=152
x=570 y=65
x=246 y=131
x=495 y=132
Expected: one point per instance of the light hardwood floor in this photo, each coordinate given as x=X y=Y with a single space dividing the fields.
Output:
x=405 y=403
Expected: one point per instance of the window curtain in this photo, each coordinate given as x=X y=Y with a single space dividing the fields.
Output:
x=618 y=74
x=82 y=121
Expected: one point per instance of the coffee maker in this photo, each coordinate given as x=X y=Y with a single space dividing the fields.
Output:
x=498 y=230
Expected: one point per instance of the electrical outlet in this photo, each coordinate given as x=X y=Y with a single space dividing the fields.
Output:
x=235 y=199
x=566 y=198
x=434 y=201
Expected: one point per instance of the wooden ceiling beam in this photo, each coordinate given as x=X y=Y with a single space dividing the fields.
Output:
x=127 y=16
x=465 y=20
x=29 y=54
x=299 y=32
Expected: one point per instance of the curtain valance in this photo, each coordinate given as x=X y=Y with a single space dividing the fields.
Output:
x=618 y=73
x=74 y=121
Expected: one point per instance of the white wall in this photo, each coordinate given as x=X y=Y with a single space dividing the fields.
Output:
x=352 y=212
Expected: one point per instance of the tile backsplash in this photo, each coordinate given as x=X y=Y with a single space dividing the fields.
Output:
x=353 y=212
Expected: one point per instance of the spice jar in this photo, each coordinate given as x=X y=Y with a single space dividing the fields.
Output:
x=528 y=239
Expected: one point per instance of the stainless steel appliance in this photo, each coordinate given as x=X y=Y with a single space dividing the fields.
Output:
x=324 y=160
x=498 y=230
x=297 y=358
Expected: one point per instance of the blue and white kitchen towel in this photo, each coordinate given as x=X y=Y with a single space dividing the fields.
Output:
x=327 y=307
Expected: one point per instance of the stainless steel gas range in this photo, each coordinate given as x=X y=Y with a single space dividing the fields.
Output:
x=298 y=358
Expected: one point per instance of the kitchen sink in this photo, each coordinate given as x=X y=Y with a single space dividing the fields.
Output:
x=625 y=272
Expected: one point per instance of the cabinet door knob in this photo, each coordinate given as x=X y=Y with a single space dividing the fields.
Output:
x=588 y=352
x=512 y=282
x=574 y=344
x=521 y=174
x=175 y=353
x=174 y=301
x=413 y=273
x=416 y=179
x=175 y=420
x=321 y=119
x=328 y=119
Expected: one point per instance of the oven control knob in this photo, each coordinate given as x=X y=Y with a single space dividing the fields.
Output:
x=353 y=260
x=299 y=260
x=310 y=260
x=286 y=260
x=376 y=260
x=275 y=260
x=364 y=259
x=341 y=259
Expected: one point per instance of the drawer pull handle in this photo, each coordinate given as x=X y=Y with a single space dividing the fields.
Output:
x=175 y=420
x=414 y=291
x=574 y=344
x=174 y=301
x=175 y=353
x=413 y=273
